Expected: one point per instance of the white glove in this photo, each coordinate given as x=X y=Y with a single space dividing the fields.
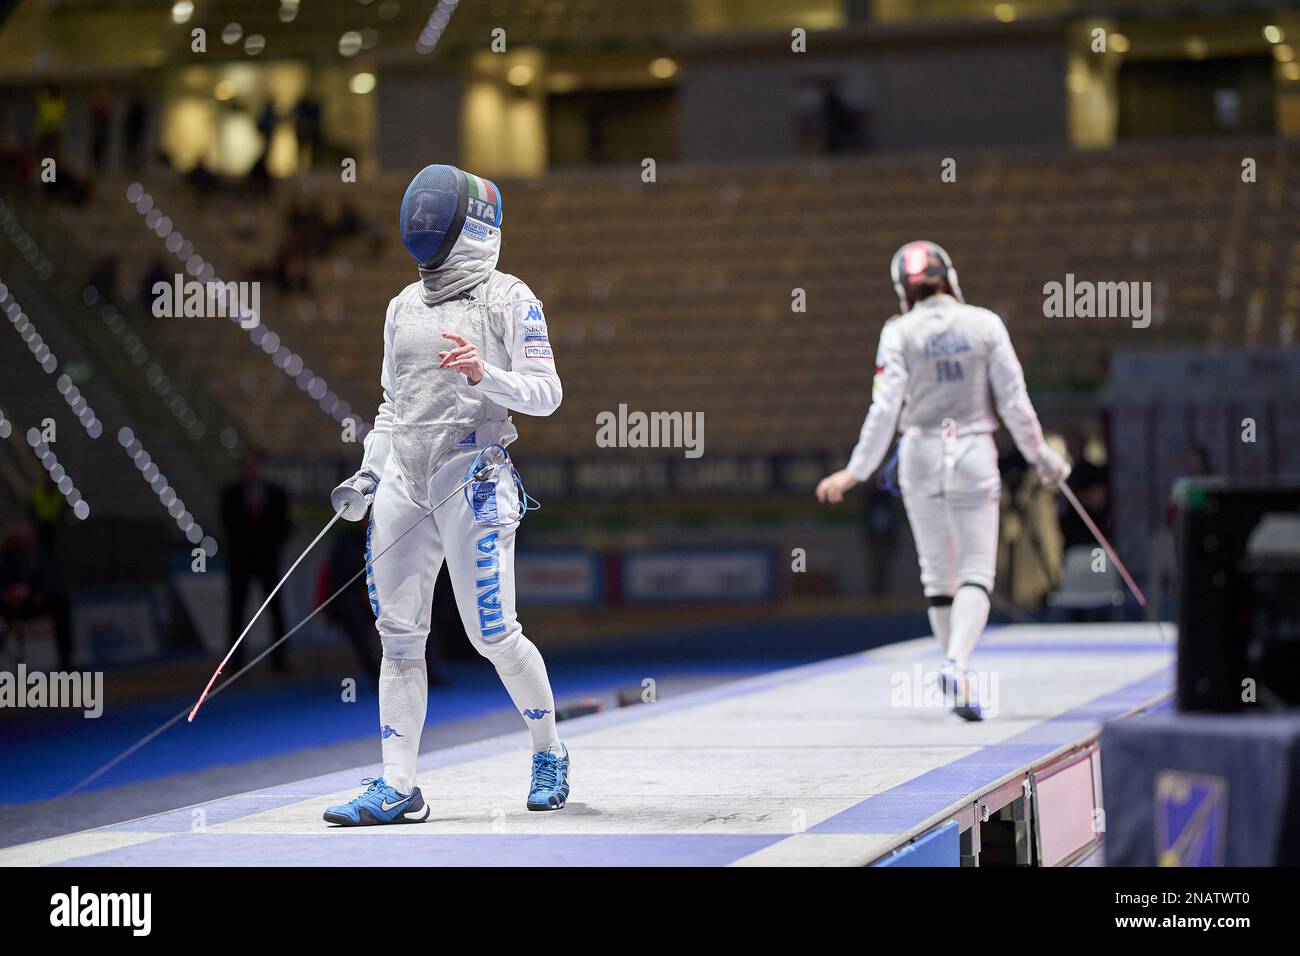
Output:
x=1052 y=468
x=352 y=498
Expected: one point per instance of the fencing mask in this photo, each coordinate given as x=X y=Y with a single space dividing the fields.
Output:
x=441 y=203
x=921 y=262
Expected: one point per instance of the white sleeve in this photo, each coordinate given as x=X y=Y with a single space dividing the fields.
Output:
x=379 y=440
x=1014 y=408
x=530 y=385
x=887 y=391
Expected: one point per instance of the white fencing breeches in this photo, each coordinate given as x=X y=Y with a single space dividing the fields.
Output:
x=480 y=561
x=950 y=491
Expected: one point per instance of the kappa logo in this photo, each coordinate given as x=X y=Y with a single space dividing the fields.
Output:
x=389 y=732
x=491 y=619
x=534 y=713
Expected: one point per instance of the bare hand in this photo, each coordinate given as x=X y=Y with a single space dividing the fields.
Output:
x=831 y=489
x=464 y=359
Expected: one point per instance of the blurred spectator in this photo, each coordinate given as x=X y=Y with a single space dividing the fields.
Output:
x=101 y=120
x=1029 y=554
x=157 y=273
x=133 y=125
x=306 y=126
x=266 y=123
x=827 y=121
x=51 y=108
x=1162 y=557
x=839 y=125
x=49 y=509
x=1090 y=483
x=255 y=514
x=1198 y=460
x=29 y=588
x=259 y=174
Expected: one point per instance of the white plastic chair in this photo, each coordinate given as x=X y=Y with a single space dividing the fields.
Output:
x=1082 y=588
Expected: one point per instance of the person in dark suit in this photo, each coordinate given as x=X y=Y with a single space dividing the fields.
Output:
x=1090 y=482
x=255 y=514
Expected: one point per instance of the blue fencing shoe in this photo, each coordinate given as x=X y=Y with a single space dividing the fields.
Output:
x=379 y=803
x=550 y=787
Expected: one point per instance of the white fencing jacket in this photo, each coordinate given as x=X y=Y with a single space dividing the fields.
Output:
x=945 y=361
x=428 y=411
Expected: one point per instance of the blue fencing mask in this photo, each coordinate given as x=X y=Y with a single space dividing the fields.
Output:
x=441 y=203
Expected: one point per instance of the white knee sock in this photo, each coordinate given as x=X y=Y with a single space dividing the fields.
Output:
x=530 y=689
x=403 y=700
x=940 y=619
x=970 y=612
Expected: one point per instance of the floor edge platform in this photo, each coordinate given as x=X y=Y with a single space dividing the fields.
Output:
x=818 y=764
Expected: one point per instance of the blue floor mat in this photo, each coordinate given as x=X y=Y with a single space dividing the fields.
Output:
x=44 y=756
x=41 y=757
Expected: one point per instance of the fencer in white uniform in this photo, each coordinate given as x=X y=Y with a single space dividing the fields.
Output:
x=463 y=347
x=945 y=372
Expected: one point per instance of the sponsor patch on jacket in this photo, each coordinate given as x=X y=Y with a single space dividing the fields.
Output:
x=475 y=230
x=536 y=333
x=469 y=441
x=538 y=352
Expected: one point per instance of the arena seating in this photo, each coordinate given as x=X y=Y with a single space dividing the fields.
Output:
x=677 y=294
x=395 y=26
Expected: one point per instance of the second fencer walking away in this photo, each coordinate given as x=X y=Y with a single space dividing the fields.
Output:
x=948 y=371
